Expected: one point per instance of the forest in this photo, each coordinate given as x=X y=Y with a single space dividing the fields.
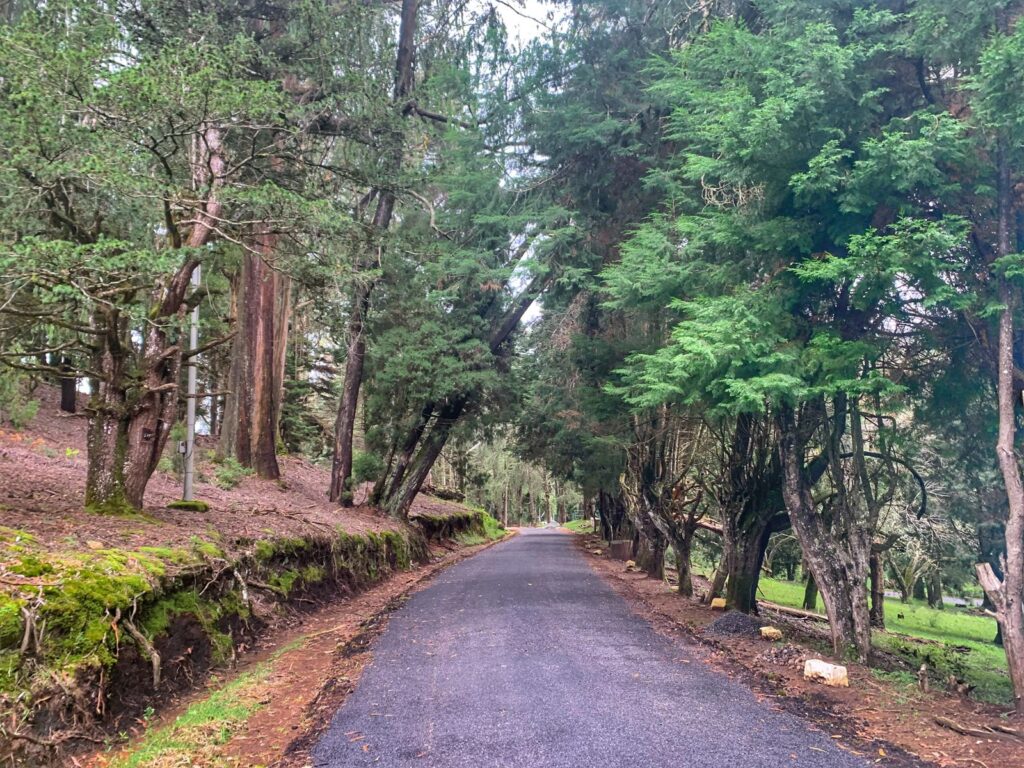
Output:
x=740 y=281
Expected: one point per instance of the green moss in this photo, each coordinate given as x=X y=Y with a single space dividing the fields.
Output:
x=16 y=536
x=192 y=505
x=114 y=507
x=30 y=566
x=313 y=574
x=284 y=581
x=10 y=622
x=207 y=549
x=267 y=549
x=167 y=554
x=10 y=679
x=264 y=550
x=158 y=616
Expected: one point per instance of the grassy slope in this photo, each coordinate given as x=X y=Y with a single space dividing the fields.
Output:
x=580 y=526
x=982 y=663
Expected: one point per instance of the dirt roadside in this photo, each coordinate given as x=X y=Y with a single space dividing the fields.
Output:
x=894 y=724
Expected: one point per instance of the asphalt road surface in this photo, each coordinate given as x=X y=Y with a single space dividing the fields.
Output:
x=523 y=657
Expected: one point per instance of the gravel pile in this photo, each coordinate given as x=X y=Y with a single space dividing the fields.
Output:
x=734 y=623
x=787 y=655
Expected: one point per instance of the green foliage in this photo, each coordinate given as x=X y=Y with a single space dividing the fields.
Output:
x=228 y=473
x=583 y=525
x=366 y=467
x=15 y=407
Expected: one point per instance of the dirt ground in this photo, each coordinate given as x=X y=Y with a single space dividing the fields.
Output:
x=872 y=717
x=42 y=485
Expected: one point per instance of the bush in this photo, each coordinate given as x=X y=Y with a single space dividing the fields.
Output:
x=15 y=406
x=366 y=467
x=229 y=473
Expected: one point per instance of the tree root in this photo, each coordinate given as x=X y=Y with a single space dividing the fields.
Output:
x=983 y=732
x=144 y=644
x=55 y=742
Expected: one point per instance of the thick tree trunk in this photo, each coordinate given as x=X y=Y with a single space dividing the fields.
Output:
x=134 y=406
x=649 y=553
x=403 y=490
x=746 y=556
x=683 y=548
x=918 y=591
x=877 y=576
x=257 y=363
x=840 y=571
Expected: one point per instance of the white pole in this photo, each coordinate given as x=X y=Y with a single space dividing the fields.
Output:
x=190 y=405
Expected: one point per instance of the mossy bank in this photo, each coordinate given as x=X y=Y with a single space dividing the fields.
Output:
x=92 y=637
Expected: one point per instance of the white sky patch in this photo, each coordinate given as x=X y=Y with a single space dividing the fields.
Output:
x=526 y=19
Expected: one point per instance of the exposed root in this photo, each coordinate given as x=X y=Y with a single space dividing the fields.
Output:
x=144 y=644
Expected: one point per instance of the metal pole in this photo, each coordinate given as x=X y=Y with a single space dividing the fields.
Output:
x=190 y=405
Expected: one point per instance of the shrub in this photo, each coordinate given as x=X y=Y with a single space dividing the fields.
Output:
x=366 y=467
x=15 y=406
x=229 y=473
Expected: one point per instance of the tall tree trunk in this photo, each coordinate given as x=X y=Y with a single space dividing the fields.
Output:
x=877 y=576
x=68 y=389
x=1007 y=594
x=340 y=490
x=933 y=589
x=649 y=552
x=257 y=361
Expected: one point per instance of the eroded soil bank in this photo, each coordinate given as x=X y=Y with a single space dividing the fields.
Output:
x=95 y=637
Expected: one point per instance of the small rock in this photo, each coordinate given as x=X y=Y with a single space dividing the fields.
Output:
x=718 y=604
x=829 y=674
x=94 y=544
x=771 y=633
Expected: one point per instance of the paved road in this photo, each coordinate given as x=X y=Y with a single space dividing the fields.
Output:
x=522 y=657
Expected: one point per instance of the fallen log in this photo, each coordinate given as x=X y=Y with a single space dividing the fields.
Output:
x=792 y=611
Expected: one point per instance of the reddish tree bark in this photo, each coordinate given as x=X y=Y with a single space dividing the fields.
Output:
x=257 y=362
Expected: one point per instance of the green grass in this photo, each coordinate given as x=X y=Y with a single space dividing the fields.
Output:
x=584 y=525
x=207 y=723
x=489 y=529
x=961 y=642
x=492 y=528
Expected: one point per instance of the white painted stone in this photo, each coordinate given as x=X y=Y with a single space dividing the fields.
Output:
x=829 y=674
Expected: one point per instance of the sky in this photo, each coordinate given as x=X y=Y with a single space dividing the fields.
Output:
x=525 y=19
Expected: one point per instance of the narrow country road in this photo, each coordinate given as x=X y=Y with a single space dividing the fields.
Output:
x=522 y=656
